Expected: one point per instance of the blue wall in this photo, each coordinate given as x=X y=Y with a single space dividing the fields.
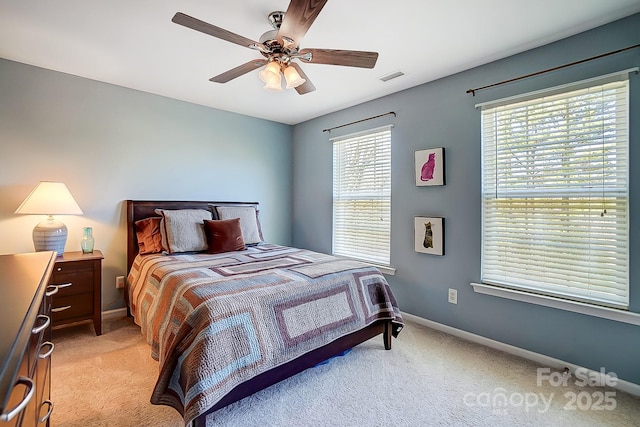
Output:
x=441 y=114
x=108 y=143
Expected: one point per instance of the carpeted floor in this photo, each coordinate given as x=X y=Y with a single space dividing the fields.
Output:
x=427 y=379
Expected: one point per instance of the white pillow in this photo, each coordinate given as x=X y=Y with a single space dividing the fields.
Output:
x=182 y=230
x=251 y=233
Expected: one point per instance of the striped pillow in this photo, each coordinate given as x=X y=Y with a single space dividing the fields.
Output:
x=251 y=231
x=182 y=230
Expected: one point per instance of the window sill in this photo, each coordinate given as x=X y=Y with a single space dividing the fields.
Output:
x=547 y=301
x=384 y=269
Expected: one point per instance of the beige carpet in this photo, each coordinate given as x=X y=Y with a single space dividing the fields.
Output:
x=428 y=379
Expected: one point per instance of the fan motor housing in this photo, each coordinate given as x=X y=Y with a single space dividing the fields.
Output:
x=270 y=38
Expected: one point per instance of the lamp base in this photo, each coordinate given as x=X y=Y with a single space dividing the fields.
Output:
x=50 y=235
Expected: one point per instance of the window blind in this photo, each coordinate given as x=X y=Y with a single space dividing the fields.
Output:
x=362 y=195
x=555 y=194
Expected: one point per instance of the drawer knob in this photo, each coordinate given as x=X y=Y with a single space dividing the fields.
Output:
x=7 y=416
x=59 y=309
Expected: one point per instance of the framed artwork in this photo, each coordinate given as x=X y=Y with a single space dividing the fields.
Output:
x=430 y=167
x=429 y=235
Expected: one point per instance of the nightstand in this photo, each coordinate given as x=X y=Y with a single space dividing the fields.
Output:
x=78 y=277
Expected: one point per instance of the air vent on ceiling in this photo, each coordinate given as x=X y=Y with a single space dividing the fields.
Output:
x=391 y=76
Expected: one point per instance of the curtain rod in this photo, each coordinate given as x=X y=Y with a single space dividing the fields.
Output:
x=473 y=91
x=359 y=121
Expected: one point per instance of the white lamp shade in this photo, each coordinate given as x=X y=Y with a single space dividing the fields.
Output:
x=292 y=77
x=50 y=198
x=273 y=83
x=271 y=68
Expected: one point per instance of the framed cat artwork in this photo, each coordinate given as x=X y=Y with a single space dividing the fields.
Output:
x=429 y=235
x=429 y=167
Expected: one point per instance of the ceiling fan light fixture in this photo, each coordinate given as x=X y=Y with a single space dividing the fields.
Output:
x=272 y=68
x=273 y=82
x=292 y=77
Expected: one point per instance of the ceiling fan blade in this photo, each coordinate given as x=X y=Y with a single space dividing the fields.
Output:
x=305 y=87
x=212 y=30
x=348 y=58
x=298 y=18
x=238 y=71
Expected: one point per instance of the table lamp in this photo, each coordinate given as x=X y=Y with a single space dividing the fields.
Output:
x=50 y=198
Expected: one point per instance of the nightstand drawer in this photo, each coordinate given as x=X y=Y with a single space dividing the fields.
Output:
x=72 y=282
x=71 y=267
x=71 y=307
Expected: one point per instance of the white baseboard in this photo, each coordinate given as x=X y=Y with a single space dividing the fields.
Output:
x=114 y=314
x=551 y=362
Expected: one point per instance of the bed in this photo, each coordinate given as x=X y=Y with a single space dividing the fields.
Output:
x=226 y=325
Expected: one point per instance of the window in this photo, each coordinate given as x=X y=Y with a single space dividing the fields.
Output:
x=362 y=195
x=555 y=192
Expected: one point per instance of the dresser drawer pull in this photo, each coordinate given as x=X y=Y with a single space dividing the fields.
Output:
x=45 y=325
x=51 y=290
x=48 y=353
x=59 y=309
x=64 y=285
x=48 y=414
x=7 y=416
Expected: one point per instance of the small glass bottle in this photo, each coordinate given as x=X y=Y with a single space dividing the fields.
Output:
x=87 y=240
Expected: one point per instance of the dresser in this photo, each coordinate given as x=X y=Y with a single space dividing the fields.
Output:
x=25 y=346
x=78 y=277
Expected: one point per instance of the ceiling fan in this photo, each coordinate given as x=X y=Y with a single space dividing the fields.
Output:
x=281 y=46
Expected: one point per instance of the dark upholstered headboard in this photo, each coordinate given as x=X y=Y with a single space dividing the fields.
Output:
x=140 y=209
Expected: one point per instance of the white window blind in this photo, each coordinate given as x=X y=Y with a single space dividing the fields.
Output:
x=552 y=166
x=362 y=195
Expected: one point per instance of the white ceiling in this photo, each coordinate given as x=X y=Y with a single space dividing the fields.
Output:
x=134 y=44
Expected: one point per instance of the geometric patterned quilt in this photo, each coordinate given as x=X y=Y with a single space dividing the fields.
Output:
x=214 y=321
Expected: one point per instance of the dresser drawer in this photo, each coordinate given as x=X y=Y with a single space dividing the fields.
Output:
x=44 y=407
x=35 y=340
x=71 y=267
x=71 y=281
x=73 y=306
x=18 y=395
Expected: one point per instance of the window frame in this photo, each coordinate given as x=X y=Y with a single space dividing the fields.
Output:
x=349 y=189
x=540 y=296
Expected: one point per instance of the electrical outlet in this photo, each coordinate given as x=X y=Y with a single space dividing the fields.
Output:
x=453 y=296
x=119 y=282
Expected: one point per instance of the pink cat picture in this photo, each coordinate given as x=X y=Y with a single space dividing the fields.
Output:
x=428 y=167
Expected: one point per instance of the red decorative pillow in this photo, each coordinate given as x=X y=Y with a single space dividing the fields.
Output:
x=148 y=234
x=224 y=235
